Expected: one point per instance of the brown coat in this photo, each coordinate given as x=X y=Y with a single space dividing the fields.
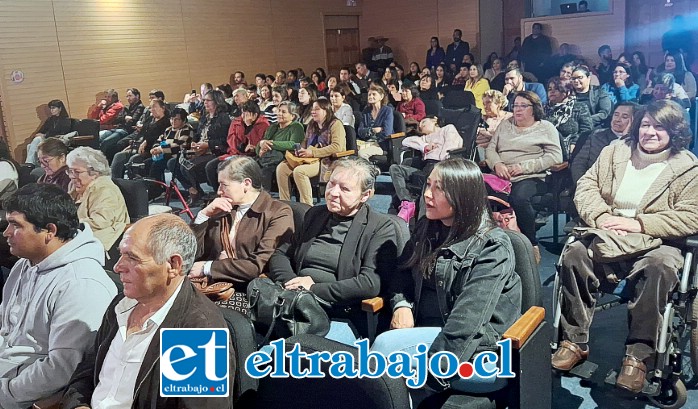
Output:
x=669 y=209
x=266 y=225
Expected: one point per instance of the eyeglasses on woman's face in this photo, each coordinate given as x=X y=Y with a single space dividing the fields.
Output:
x=74 y=173
x=521 y=106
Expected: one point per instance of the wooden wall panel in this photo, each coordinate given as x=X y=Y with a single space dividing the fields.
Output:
x=73 y=49
x=584 y=32
x=411 y=24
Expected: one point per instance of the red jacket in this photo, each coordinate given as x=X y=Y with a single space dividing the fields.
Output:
x=238 y=139
x=108 y=116
x=414 y=109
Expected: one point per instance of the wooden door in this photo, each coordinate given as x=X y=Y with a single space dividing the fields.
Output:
x=342 y=47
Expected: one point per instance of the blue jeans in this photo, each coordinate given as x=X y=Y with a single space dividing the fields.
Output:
x=406 y=340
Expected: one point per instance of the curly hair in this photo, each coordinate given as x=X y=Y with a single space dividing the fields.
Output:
x=669 y=115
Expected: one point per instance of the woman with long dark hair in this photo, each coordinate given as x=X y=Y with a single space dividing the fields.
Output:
x=640 y=71
x=458 y=292
x=674 y=64
x=435 y=54
x=622 y=88
x=57 y=124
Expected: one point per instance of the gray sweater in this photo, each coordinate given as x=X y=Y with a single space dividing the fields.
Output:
x=535 y=148
x=49 y=315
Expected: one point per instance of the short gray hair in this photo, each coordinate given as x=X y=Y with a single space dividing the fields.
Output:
x=168 y=236
x=93 y=160
x=292 y=108
x=365 y=170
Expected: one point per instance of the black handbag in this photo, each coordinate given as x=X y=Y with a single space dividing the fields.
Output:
x=281 y=313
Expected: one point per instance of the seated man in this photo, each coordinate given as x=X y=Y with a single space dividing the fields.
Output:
x=434 y=144
x=129 y=117
x=638 y=190
x=589 y=149
x=242 y=206
x=107 y=111
x=54 y=298
x=514 y=82
x=156 y=255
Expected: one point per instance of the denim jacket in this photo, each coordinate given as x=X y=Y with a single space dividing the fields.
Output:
x=478 y=291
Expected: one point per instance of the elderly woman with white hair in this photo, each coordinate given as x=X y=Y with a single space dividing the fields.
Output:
x=100 y=202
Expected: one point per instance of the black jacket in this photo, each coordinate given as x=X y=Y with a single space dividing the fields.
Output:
x=56 y=125
x=191 y=309
x=478 y=292
x=588 y=151
x=217 y=132
x=368 y=251
x=600 y=105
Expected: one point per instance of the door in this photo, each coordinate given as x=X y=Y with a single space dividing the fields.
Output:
x=342 y=47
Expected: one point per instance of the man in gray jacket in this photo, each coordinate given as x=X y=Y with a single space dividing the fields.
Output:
x=54 y=298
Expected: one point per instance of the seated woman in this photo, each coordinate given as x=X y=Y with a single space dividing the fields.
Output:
x=210 y=140
x=376 y=124
x=57 y=124
x=674 y=64
x=570 y=117
x=100 y=202
x=494 y=103
x=244 y=134
x=622 y=88
x=476 y=84
x=411 y=106
x=176 y=139
x=341 y=109
x=642 y=188
x=264 y=99
x=242 y=206
x=664 y=86
x=413 y=75
x=324 y=137
x=426 y=89
x=52 y=156
x=278 y=95
x=458 y=291
x=318 y=81
x=306 y=97
x=496 y=69
x=278 y=139
x=520 y=151
x=441 y=79
x=566 y=72
x=9 y=181
x=342 y=249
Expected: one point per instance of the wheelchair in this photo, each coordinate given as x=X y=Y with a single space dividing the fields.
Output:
x=676 y=355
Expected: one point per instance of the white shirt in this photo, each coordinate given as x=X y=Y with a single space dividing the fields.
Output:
x=117 y=378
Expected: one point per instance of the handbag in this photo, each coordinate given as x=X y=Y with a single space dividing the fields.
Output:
x=221 y=291
x=506 y=217
x=282 y=313
x=295 y=161
x=497 y=184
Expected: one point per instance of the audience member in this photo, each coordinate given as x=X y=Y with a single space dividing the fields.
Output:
x=345 y=78
x=324 y=137
x=278 y=95
x=57 y=124
x=426 y=89
x=341 y=109
x=306 y=97
x=455 y=51
x=342 y=251
x=382 y=55
x=674 y=64
x=439 y=300
x=662 y=87
x=641 y=188
x=520 y=151
x=265 y=98
x=129 y=117
x=9 y=169
x=598 y=101
x=279 y=138
x=52 y=159
x=494 y=70
x=477 y=84
x=237 y=80
x=411 y=106
x=493 y=112
x=157 y=253
x=107 y=110
x=441 y=80
x=100 y=202
x=434 y=143
x=570 y=117
x=514 y=83
x=376 y=124
x=54 y=297
x=535 y=51
x=566 y=72
x=435 y=55
x=173 y=142
x=640 y=71
x=413 y=75
x=622 y=88
x=605 y=68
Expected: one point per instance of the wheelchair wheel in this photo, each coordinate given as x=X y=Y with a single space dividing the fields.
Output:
x=692 y=324
x=672 y=396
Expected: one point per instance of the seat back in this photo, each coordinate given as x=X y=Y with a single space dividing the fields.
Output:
x=398 y=122
x=351 y=137
x=135 y=193
x=336 y=393
x=466 y=121
x=456 y=98
x=432 y=107
x=25 y=175
x=243 y=336
x=527 y=269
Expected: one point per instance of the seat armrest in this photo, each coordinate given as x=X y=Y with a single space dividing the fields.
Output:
x=692 y=241
x=344 y=153
x=524 y=326
x=372 y=305
x=560 y=166
x=51 y=402
x=397 y=135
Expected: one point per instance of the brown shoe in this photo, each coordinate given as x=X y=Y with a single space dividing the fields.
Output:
x=632 y=374
x=568 y=355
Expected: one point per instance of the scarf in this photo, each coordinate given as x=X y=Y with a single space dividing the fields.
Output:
x=560 y=113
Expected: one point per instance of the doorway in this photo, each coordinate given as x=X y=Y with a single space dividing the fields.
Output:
x=341 y=42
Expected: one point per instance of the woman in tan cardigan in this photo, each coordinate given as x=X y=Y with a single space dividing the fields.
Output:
x=100 y=203
x=641 y=188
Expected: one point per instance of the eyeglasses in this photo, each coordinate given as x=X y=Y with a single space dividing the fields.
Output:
x=577 y=78
x=45 y=160
x=521 y=106
x=75 y=173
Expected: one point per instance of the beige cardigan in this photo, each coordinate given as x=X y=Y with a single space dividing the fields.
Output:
x=669 y=209
x=103 y=207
